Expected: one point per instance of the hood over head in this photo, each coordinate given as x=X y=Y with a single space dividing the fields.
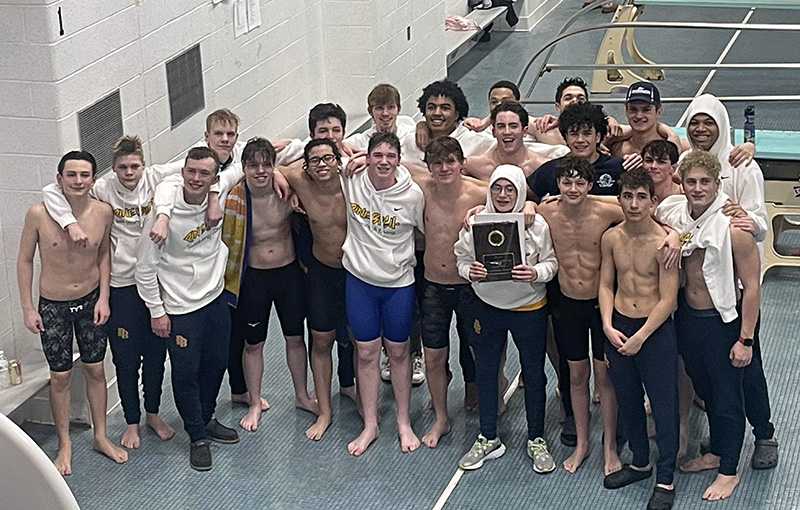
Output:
x=517 y=177
x=714 y=108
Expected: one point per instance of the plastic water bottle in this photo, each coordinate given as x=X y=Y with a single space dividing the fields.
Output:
x=5 y=381
x=750 y=124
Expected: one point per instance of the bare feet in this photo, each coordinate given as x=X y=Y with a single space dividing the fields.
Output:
x=250 y=420
x=159 y=426
x=109 y=449
x=437 y=430
x=575 y=460
x=721 y=488
x=130 y=438
x=408 y=440
x=349 y=392
x=315 y=431
x=611 y=463
x=307 y=404
x=360 y=444
x=470 y=397
x=704 y=463
x=244 y=398
x=63 y=461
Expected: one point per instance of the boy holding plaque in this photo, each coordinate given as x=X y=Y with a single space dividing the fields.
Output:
x=515 y=305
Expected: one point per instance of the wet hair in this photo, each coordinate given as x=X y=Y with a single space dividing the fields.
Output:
x=222 y=116
x=258 y=147
x=440 y=150
x=511 y=106
x=384 y=137
x=574 y=166
x=661 y=149
x=200 y=153
x=445 y=88
x=324 y=111
x=127 y=145
x=635 y=179
x=316 y=142
x=383 y=94
x=571 y=82
x=699 y=159
x=505 y=84
x=77 y=156
x=583 y=115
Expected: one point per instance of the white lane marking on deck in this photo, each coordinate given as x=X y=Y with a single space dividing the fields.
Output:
x=451 y=485
x=719 y=61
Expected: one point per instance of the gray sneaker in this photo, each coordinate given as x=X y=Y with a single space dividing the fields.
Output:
x=542 y=460
x=417 y=370
x=483 y=449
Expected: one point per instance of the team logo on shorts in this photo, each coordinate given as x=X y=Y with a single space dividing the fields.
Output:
x=123 y=333
x=181 y=341
x=477 y=326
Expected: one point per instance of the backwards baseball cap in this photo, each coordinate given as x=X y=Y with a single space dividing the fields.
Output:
x=643 y=91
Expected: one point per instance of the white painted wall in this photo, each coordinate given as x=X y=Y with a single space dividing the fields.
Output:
x=306 y=51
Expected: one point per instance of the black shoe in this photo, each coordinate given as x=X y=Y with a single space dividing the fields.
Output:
x=568 y=435
x=218 y=432
x=662 y=499
x=200 y=455
x=625 y=476
x=765 y=454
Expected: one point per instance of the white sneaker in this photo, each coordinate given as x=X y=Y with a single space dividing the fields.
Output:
x=417 y=370
x=386 y=373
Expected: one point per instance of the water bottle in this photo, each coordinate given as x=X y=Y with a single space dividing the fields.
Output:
x=5 y=381
x=750 y=124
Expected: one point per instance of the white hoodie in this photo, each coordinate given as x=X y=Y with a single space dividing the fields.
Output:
x=743 y=184
x=379 y=247
x=130 y=207
x=538 y=245
x=472 y=143
x=187 y=273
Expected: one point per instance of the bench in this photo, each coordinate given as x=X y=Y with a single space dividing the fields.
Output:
x=458 y=42
x=35 y=377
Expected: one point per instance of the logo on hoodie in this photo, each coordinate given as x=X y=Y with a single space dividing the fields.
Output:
x=384 y=221
x=130 y=212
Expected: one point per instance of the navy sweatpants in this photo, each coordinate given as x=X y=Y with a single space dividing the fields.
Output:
x=198 y=350
x=134 y=345
x=656 y=367
x=488 y=339
x=756 y=394
x=705 y=343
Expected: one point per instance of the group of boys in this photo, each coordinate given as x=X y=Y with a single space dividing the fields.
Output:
x=189 y=257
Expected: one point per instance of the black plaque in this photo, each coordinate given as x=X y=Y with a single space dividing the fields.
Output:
x=498 y=247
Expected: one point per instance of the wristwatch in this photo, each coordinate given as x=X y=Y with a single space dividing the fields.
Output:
x=747 y=342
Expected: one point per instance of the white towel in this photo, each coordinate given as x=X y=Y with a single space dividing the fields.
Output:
x=711 y=232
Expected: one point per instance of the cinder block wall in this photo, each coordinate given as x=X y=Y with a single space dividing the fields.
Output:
x=306 y=51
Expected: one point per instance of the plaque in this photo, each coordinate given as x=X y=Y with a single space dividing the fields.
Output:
x=498 y=243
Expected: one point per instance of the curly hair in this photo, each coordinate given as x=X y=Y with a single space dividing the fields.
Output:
x=699 y=159
x=583 y=115
x=635 y=179
x=445 y=88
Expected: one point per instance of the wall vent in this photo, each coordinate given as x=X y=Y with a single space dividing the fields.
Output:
x=185 y=85
x=100 y=125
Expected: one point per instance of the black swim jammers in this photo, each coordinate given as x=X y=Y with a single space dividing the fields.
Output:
x=59 y=318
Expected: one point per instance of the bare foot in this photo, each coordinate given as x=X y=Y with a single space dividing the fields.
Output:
x=250 y=420
x=110 y=450
x=130 y=438
x=611 y=463
x=307 y=404
x=360 y=444
x=575 y=460
x=315 y=431
x=437 y=430
x=159 y=426
x=63 y=461
x=470 y=397
x=349 y=392
x=704 y=463
x=408 y=440
x=721 y=488
x=244 y=398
